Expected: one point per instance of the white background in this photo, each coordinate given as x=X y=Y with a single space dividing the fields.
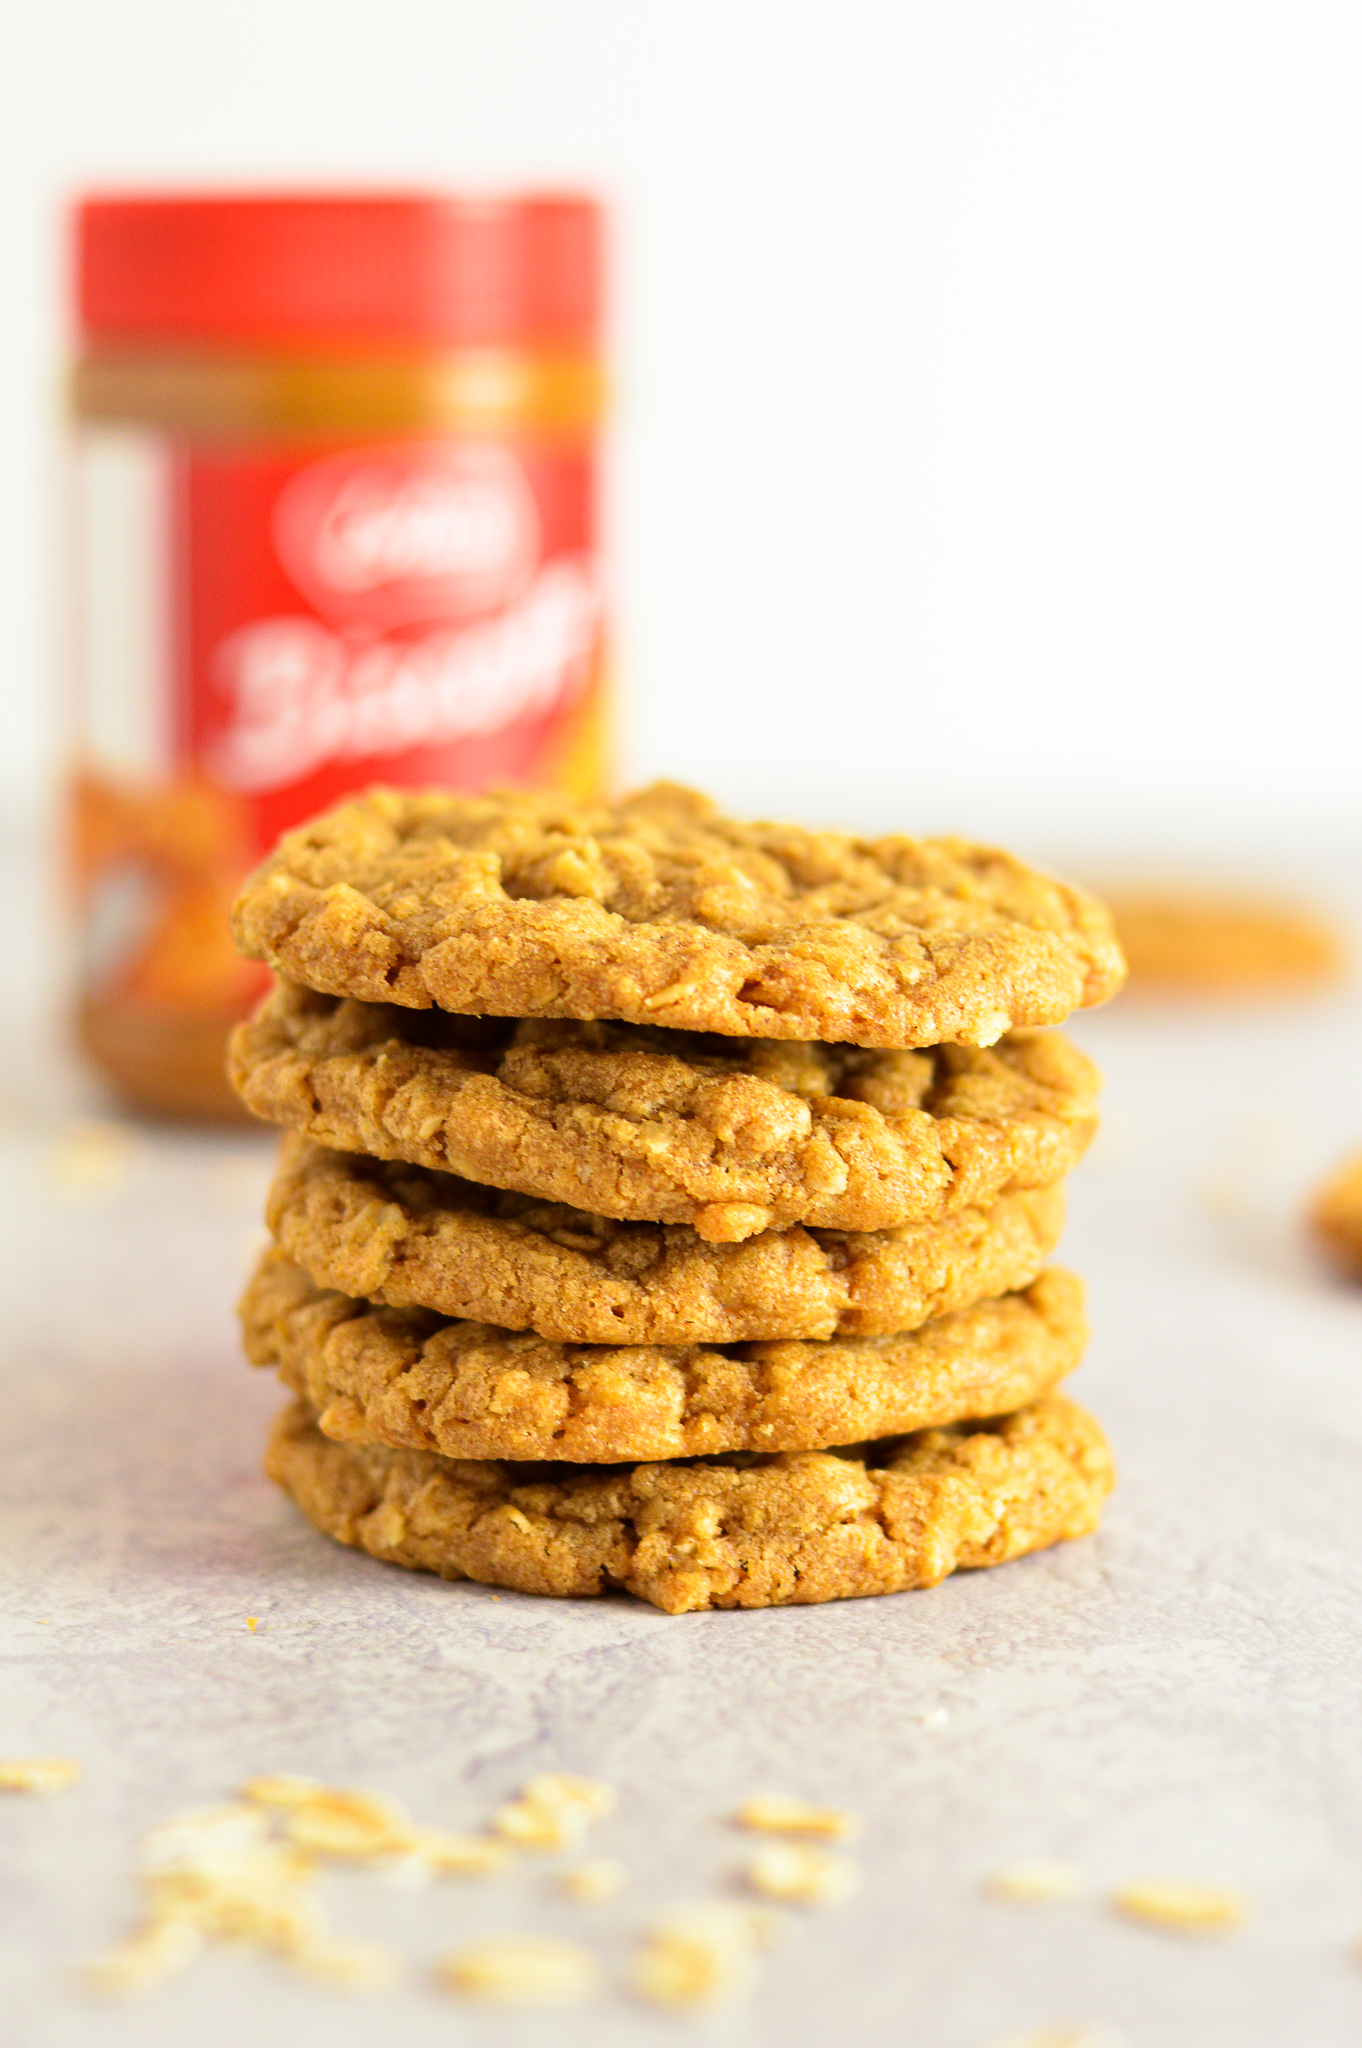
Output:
x=989 y=371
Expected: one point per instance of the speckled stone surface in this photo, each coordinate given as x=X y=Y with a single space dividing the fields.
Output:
x=1177 y=1696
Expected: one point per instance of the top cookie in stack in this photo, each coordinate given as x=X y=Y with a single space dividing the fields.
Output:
x=636 y=1080
x=659 y=911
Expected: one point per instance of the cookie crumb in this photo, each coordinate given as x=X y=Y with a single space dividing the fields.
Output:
x=40 y=1774
x=523 y=1969
x=601 y=1877
x=778 y=1814
x=1188 y=1908
x=90 y=1156
x=553 y=1811
x=701 y=1955
x=1037 y=1881
x=802 y=1874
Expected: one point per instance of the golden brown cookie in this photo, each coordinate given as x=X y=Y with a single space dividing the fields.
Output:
x=733 y=1532
x=409 y=1378
x=731 y=1136
x=658 y=910
x=1221 y=943
x=407 y=1237
x=1336 y=1215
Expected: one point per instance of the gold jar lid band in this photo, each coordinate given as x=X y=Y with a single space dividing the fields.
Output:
x=238 y=397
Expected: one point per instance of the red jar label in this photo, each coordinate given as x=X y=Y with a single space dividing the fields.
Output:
x=265 y=630
x=419 y=613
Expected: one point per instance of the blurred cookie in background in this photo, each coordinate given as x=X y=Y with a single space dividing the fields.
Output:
x=1218 y=941
x=1335 y=1216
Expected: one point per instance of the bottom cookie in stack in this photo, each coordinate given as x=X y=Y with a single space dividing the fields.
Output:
x=502 y=1456
x=743 y=1530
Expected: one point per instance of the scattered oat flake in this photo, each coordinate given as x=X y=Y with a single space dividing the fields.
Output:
x=41 y=1774
x=276 y=1789
x=369 y=1827
x=684 y=1973
x=600 y=1877
x=345 y=1837
x=702 y=1954
x=775 y=1813
x=802 y=1874
x=1188 y=1908
x=351 y=1826
x=553 y=1811
x=1037 y=1881
x=219 y=1874
x=523 y=1969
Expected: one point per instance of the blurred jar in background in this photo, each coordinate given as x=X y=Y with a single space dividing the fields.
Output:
x=336 y=524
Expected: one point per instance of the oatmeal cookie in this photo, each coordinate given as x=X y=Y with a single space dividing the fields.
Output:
x=734 y=1532
x=658 y=910
x=410 y=1379
x=1336 y=1215
x=1204 y=942
x=731 y=1136
x=410 y=1238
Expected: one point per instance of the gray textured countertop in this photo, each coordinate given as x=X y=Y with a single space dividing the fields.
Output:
x=1178 y=1696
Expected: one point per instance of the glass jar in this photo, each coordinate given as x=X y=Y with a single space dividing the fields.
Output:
x=335 y=513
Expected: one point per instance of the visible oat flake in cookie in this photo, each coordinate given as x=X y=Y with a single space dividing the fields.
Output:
x=406 y=1237
x=730 y=1136
x=658 y=910
x=725 y=1532
x=410 y=1379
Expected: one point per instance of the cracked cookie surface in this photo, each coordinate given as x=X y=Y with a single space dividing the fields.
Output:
x=406 y=1237
x=658 y=910
x=730 y=1136
x=408 y=1378
x=789 y=1530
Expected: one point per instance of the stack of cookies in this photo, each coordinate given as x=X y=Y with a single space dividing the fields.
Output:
x=666 y=1200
